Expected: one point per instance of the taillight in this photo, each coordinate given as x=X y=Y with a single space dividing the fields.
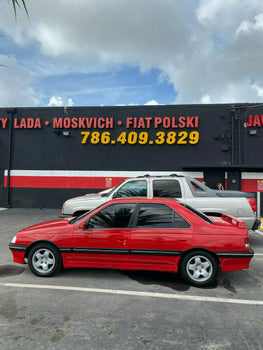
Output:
x=246 y=241
x=253 y=204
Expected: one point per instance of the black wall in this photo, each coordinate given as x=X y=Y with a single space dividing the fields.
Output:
x=224 y=143
x=44 y=149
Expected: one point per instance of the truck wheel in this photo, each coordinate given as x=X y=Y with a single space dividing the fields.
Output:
x=44 y=260
x=199 y=268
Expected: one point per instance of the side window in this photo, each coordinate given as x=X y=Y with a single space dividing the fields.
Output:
x=159 y=216
x=180 y=222
x=167 y=188
x=113 y=216
x=196 y=187
x=137 y=188
x=155 y=215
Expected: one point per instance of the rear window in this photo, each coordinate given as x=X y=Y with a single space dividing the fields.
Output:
x=198 y=213
x=153 y=215
x=197 y=188
x=167 y=188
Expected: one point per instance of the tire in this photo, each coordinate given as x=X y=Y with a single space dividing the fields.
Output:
x=199 y=268
x=44 y=260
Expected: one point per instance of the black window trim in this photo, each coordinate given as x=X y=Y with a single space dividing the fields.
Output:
x=135 y=215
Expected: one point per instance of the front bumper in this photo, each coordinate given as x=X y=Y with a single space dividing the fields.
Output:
x=18 y=252
x=17 y=247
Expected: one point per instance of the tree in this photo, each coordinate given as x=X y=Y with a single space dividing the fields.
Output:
x=18 y=3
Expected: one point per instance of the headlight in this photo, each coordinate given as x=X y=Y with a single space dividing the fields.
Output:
x=13 y=240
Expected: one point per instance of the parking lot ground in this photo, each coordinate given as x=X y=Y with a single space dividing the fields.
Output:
x=111 y=309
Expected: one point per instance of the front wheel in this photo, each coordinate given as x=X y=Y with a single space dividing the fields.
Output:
x=44 y=260
x=199 y=268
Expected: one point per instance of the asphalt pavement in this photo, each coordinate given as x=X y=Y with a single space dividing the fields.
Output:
x=111 y=309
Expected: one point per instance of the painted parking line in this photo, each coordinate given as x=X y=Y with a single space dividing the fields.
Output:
x=136 y=293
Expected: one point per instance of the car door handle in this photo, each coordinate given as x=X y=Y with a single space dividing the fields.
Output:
x=182 y=240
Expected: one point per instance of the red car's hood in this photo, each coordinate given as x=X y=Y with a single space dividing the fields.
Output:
x=59 y=223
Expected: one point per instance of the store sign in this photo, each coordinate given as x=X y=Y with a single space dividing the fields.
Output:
x=254 y=121
x=3 y=123
x=108 y=182
x=260 y=186
x=130 y=130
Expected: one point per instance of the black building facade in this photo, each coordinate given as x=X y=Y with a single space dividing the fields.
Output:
x=48 y=155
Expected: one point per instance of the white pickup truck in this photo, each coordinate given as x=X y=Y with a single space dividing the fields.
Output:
x=184 y=188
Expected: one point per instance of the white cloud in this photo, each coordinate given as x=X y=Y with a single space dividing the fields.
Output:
x=103 y=33
x=247 y=26
x=208 y=50
x=123 y=104
x=151 y=103
x=258 y=89
x=58 y=101
x=205 y=99
x=16 y=85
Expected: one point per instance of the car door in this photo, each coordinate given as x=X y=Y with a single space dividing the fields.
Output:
x=103 y=239
x=158 y=238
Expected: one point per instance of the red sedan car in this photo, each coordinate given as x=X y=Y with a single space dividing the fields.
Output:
x=137 y=234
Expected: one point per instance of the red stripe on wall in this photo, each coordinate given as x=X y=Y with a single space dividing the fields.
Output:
x=251 y=185
x=62 y=182
x=65 y=182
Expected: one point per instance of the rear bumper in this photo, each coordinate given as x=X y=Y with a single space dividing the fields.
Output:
x=230 y=261
x=248 y=254
x=256 y=225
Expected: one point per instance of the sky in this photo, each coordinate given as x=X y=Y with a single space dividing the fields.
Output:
x=131 y=52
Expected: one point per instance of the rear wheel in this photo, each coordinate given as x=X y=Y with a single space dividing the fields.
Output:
x=44 y=260
x=199 y=268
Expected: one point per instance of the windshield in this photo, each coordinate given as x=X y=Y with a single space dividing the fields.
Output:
x=108 y=192
x=198 y=213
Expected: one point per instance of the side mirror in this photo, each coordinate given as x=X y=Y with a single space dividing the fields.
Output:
x=86 y=225
x=82 y=226
x=115 y=195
